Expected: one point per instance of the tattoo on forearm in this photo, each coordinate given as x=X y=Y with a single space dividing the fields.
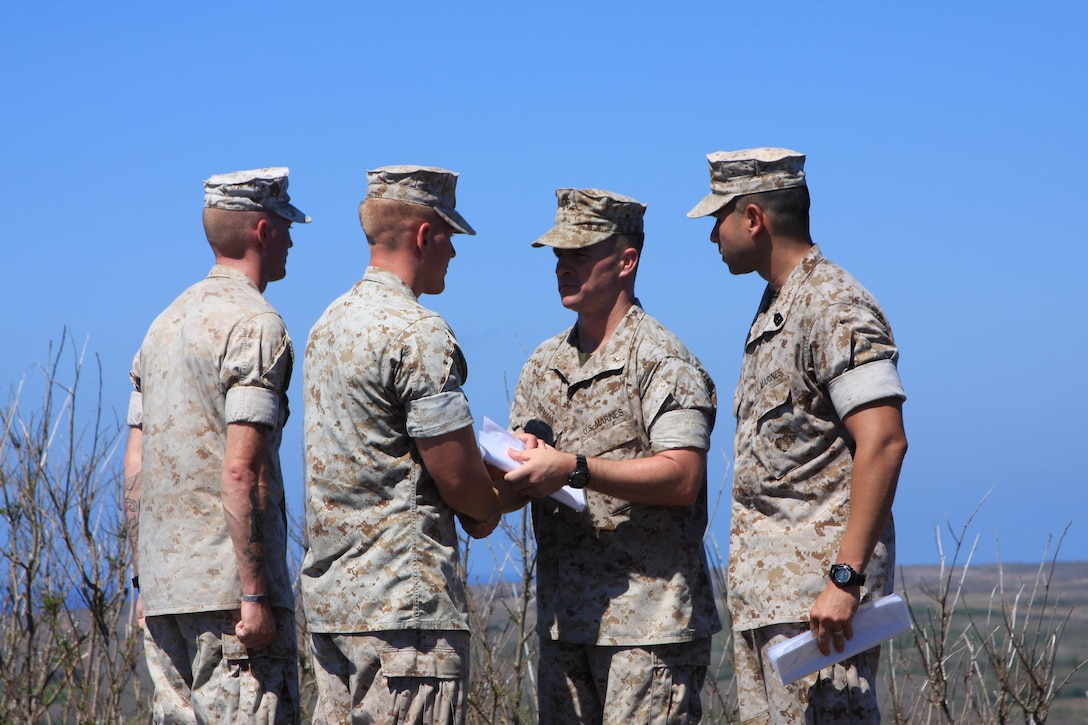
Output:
x=255 y=555
x=256 y=530
x=132 y=515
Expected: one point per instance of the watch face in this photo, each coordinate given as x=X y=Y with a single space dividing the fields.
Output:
x=843 y=575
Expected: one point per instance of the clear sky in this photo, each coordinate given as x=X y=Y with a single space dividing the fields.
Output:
x=947 y=160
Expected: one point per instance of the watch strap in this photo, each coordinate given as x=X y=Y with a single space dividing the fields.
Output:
x=579 y=477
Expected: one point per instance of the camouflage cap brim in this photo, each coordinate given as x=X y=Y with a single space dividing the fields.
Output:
x=711 y=204
x=290 y=212
x=569 y=237
x=455 y=220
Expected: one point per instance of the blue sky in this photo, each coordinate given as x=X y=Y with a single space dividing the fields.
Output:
x=946 y=158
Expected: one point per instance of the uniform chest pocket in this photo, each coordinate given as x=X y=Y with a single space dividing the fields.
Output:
x=614 y=436
x=618 y=440
x=778 y=444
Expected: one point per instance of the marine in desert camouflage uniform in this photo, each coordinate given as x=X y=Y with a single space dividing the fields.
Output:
x=624 y=600
x=819 y=445
x=390 y=462
x=204 y=493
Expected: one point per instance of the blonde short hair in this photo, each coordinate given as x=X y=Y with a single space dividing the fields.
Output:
x=227 y=230
x=384 y=221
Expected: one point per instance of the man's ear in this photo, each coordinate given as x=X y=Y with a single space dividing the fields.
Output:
x=262 y=229
x=754 y=220
x=423 y=238
x=628 y=261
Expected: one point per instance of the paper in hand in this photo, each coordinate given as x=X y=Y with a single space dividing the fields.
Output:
x=494 y=440
x=875 y=622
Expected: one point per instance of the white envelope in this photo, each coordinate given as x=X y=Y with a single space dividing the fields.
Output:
x=494 y=440
x=875 y=622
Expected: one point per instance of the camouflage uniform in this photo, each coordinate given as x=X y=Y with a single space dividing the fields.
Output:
x=203 y=674
x=218 y=354
x=620 y=579
x=816 y=351
x=382 y=553
x=402 y=676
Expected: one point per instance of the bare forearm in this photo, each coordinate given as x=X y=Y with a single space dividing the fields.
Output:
x=133 y=469
x=670 y=478
x=455 y=464
x=870 y=505
x=881 y=445
x=245 y=504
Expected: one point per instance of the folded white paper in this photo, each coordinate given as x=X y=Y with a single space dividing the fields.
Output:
x=494 y=440
x=875 y=622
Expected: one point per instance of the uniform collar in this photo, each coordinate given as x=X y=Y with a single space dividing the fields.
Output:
x=225 y=270
x=611 y=356
x=774 y=308
x=388 y=279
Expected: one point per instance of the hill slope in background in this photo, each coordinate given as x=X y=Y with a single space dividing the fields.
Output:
x=1031 y=601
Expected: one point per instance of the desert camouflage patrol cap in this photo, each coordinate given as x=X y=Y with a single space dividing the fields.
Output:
x=588 y=216
x=736 y=173
x=253 y=190
x=423 y=185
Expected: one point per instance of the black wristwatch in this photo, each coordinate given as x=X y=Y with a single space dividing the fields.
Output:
x=579 y=477
x=843 y=575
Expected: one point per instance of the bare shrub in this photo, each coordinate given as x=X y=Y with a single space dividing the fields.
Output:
x=1019 y=638
x=502 y=688
x=68 y=643
x=720 y=689
x=993 y=663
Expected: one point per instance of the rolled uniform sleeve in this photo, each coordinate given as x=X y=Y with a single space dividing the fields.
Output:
x=256 y=370
x=857 y=358
x=679 y=406
x=430 y=378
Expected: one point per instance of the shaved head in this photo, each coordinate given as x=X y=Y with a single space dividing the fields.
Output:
x=386 y=222
x=229 y=232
